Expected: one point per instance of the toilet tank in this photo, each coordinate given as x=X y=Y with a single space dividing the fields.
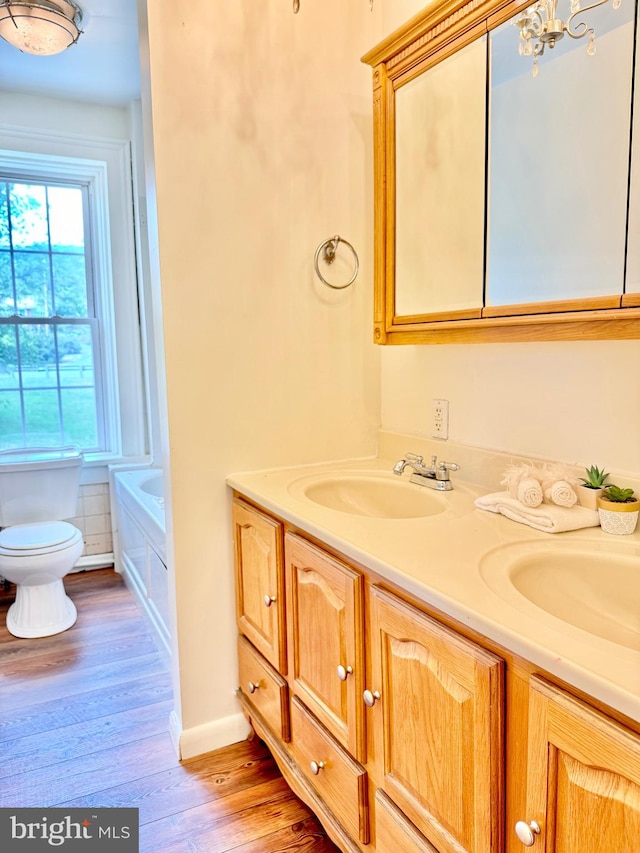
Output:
x=39 y=484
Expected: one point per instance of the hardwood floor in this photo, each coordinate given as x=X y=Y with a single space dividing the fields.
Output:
x=84 y=722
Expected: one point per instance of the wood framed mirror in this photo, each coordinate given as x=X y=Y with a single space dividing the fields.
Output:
x=507 y=205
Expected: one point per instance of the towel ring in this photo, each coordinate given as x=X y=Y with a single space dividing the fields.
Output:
x=328 y=250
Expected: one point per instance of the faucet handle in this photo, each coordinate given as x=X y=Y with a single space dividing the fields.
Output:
x=413 y=457
x=442 y=472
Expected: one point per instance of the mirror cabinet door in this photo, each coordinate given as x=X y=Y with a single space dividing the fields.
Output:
x=440 y=186
x=558 y=165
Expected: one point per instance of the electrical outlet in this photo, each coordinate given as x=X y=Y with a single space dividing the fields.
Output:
x=440 y=419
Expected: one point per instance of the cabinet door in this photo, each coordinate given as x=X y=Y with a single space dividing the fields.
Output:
x=325 y=639
x=260 y=604
x=583 y=777
x=438 y=727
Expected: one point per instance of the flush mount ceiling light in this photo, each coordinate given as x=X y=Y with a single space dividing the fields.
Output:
x=540 y=26
x=41 y=27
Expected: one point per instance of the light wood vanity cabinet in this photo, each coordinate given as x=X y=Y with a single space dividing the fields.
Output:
x=583 y=777
x=428 y=740
x=437 y=720
x=260 y=598
x=325 y=625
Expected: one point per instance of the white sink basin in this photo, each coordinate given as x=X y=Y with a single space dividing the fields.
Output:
x=591 y=585
x=372 y=494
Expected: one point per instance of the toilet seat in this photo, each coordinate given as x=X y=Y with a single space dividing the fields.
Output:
x=37 y=538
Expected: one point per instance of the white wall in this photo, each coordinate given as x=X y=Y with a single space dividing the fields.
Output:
x=72 y=118
x=262 y=134
x=575 y=401
x=395 y=13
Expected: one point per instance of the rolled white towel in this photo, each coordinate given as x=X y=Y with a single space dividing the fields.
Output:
x=561 y=493
x=515 y=474
x=530 y=492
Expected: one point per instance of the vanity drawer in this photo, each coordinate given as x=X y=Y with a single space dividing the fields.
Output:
x=264 y=688
x=338 y=778
x=395 y=832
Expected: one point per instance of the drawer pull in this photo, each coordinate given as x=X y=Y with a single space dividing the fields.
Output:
x=253 y=686
x=370 y=698
x=269 y=600
x=344 y=672
x=316 y=767
x=527 y=832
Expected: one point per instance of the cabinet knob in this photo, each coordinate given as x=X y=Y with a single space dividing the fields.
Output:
x=252 y=686
x=527 y=832
x=344 y=671
x=316 y=767
x=370 y=697
x=269 y=600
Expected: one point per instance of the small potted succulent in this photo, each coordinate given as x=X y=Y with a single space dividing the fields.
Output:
x=592 y=487
x=618 y=509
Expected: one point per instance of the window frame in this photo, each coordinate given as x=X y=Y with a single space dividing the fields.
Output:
x=105 y=167
x=92 y=319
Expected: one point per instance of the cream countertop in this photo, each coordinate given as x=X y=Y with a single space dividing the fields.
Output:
x=438 y=559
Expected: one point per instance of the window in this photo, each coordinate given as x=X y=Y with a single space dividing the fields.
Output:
x=71 y=367
x=49 y=335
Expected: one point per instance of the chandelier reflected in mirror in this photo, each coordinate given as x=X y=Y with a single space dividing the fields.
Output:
x=41 y=27
x=540 y=26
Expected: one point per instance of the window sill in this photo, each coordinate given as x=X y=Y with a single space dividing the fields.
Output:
x=95 y=468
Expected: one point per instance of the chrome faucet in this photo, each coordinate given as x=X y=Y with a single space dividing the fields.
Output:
x=435 y=476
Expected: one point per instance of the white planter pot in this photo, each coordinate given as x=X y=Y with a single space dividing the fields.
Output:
x=620 y=521
x=588 y=497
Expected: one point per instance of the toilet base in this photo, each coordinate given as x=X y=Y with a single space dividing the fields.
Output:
x=40 y=611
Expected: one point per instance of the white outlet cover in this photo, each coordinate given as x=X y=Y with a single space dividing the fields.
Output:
x=440 y=419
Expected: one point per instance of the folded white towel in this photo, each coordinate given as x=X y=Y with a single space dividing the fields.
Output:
x=547 y=517
x=529 y=492
x=561 y=493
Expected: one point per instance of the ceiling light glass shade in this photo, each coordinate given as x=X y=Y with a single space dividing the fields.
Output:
x=40 y=26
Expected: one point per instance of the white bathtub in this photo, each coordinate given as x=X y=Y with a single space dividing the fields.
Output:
x=139 y=535
x=141 y=491
x=154 y=486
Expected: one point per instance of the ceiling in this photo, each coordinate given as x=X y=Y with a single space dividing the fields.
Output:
x=103 y=67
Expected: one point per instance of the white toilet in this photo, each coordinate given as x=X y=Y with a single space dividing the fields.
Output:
x=38 y=488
